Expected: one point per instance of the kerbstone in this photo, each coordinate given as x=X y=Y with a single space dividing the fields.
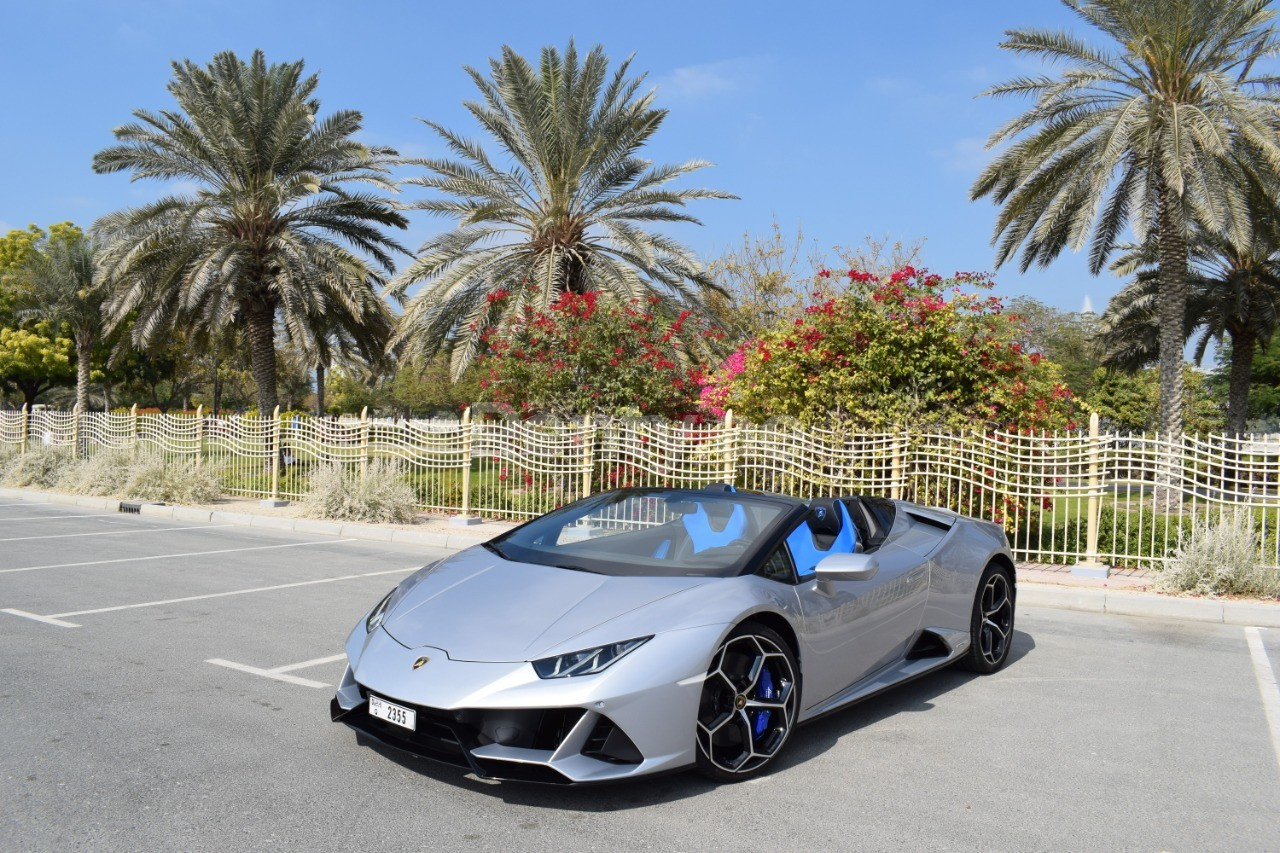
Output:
x=1167 y=607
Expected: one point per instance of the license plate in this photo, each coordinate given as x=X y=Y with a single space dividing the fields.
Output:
x=393 y=713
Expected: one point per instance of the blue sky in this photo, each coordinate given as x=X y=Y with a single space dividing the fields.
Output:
x=849 y=119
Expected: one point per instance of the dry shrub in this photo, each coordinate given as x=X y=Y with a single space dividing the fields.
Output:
x=151 y=478
x=379 y=494
x=104 y=474
x=1221 y=558
x=39 y=468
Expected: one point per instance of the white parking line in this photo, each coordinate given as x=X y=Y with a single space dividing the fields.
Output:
x=48 y=620
x=57 y=618
x=278 y=673
x=171 y=556
x=115 y=532
x=307 y=663
x=52 y=517
x=1266 y=685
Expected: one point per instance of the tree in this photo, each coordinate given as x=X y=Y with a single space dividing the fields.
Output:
x=275 y=230
x=760 y=285
x=1066 y=338
x=1153 y=134
x=569 y=213
x=914 y=348
x=34 y=360
x=57 y=284
x=1234 y=291
x=1264 y=384
x=426 y=388
x=361 y=346
x=588 y=356
x=1130 y=400
x=17 y=249
x=349 y=391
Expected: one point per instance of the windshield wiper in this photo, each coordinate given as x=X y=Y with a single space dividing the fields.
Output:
x=489 y=546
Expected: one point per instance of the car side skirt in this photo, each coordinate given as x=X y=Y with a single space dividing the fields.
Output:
x=907 y=669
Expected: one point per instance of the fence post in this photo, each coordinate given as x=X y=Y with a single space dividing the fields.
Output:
x=466 y=518
x=275 y=454
x=75 y=431
x=133 y=428
x=26 y=427
x=731 y=448
x=588 y=454
x=896 y=465
x=1091 y=566
x=364 y=441
x=200 y=433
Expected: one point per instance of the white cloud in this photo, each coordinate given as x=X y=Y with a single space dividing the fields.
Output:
x=711 y=79
x=968 y=154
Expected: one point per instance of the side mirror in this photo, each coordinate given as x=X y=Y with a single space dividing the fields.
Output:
x=848 y=567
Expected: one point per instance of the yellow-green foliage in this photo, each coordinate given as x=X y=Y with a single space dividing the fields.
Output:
x=912 y=348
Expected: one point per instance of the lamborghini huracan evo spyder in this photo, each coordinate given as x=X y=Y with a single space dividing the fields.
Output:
x=644 y=630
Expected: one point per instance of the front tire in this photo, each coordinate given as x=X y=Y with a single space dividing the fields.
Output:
x=991 y=627
x=749 y=705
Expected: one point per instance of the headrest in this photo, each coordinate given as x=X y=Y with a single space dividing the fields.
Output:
x=825 y=518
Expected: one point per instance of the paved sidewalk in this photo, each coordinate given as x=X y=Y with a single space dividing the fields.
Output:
x=1039 y=585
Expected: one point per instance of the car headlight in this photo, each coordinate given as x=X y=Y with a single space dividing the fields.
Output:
x=374 y=619
x=587 y=661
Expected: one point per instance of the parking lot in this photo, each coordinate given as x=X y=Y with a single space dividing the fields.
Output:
x=166 y=686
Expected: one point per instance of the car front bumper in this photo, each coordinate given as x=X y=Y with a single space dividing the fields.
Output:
x=499 y=720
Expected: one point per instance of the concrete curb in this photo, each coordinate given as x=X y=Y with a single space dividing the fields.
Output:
x=1030 y=593
x=345 y=529
x=1223 y=611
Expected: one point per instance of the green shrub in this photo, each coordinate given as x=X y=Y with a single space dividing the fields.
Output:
x=1220 y=558
x=39 y=468
x=379 y=494
x=1140 y=536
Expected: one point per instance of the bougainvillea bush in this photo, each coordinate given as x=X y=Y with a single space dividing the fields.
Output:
x=588 y=355
x=913 y=348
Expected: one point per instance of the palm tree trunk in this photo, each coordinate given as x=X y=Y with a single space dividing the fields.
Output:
x=1173 y=340
x=1243 y=345
x=217 y=378
x=84 y=352
x=319 y=390
x=261 y=327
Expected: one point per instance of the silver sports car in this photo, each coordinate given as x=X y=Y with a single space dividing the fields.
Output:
x=646 y=630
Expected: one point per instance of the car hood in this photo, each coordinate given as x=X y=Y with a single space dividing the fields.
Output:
x=477 y=606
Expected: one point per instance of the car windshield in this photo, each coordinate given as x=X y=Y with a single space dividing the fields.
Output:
x=650 y=533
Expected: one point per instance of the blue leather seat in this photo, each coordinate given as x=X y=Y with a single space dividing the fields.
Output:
x=702 y=530
x=827 y=529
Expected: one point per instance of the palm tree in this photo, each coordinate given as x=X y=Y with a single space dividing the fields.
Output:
x=57 y=285
x=364 y=342
x=274 y=230
x=1151 y=135
x=1234 y=291
x=570 y=212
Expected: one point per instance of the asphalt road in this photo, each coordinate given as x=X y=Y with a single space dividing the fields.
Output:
x=1103 y=732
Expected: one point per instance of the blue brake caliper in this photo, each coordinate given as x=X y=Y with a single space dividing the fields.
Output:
x=766 y=693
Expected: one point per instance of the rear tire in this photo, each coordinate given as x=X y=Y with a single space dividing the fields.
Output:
x=991 y=626
x=750 y=701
